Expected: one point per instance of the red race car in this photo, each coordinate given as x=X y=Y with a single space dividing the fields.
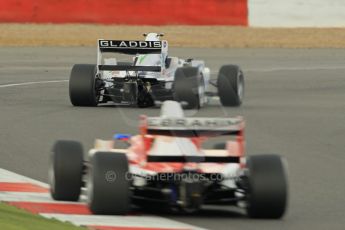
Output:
x=165 y=166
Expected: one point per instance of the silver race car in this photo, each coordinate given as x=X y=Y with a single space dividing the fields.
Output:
x=151 y=76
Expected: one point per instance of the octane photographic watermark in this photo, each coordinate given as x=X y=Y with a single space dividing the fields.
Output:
x=111 y=177
x=185 y=176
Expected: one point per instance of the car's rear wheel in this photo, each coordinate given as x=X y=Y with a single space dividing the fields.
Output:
x=267 y=187
x=82 y=85
x=66 y=169
x=108 y=184
x=230 y=85
x=188 y=87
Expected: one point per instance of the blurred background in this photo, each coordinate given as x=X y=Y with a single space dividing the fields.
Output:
x=294 y=100
x=190 y=23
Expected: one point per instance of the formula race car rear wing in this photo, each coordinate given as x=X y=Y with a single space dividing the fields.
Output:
x=192 y=127
x=130 y=48
x=194 y=159
x=129 y=68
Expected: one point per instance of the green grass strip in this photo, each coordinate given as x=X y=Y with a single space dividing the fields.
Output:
x=12 y=218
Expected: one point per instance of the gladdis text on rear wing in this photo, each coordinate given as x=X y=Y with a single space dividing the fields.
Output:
x=131 y=47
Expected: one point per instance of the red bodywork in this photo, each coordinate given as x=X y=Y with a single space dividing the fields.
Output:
x=142 y=143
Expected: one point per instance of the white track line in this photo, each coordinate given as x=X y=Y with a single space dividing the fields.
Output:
x=122 y=221
x=277 y=69
x=311 y=68
x=35 y=197
x=7 y=176
x=213 y=72
x=31 y=83
x=38 y=197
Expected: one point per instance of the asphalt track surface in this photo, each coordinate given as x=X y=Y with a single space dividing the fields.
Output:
x=294 y=106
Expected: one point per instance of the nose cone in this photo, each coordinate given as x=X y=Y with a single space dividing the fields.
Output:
x=171 y=109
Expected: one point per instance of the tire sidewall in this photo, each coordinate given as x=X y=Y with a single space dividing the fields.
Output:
x=65 y=171
x=188 y=86
x=230 y=84
x=82 y=83
x=268 y=186
x=107 y=196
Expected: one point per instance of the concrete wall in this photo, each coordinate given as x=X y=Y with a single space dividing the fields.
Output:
x=296 y=13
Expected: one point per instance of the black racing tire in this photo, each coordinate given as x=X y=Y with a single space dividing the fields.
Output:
x=267 y=187
x=66 y=170
x=108 y=185
x=230 y=85
x=186 y=86
x=82 y=90
x=220 y=146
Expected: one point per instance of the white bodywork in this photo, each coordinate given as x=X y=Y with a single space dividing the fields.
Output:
x=167 y=73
